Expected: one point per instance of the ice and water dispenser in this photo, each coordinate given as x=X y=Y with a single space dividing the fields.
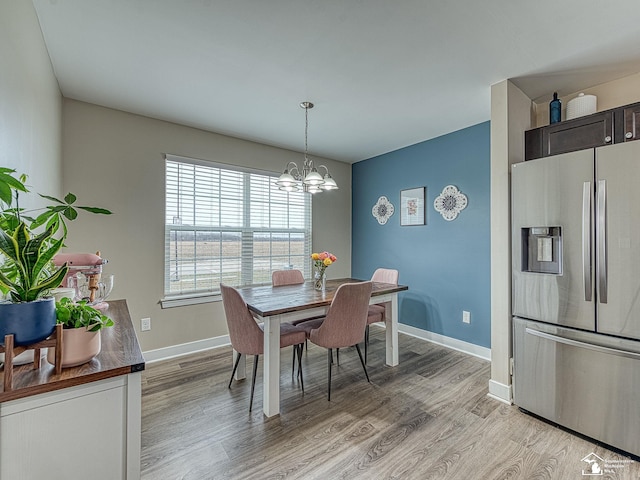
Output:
x=542 y=250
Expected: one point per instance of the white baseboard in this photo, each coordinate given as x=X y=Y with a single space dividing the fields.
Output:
x=185 y=348
x=453 y=343
x=500 y=391
x=215 y=342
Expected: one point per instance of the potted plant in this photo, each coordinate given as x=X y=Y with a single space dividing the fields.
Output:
x=26 y=272
x=81 y=332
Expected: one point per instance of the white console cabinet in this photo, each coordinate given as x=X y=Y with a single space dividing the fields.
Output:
x=80 y=425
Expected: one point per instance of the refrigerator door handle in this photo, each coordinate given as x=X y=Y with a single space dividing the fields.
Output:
x=577 y=343
x=586 y=240
x=601 y=236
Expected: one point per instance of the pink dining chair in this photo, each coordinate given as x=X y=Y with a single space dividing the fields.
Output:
x=286 y=277
x=344 y=324
x=280 y=278
x=247 y=336
x=377 y=312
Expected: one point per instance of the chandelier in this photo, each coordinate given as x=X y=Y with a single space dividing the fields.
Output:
x=307 y=178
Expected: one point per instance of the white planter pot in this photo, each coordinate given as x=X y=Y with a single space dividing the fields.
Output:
x=78 y=346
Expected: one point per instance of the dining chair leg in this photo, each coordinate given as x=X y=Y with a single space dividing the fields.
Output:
x=299 y=348
x=329 y=361
x=235 y=367
x=362 y=362
x=253 y=382
x=366 y=342
x=293 y=361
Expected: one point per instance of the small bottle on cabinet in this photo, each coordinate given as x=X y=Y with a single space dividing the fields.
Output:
x=555 y=109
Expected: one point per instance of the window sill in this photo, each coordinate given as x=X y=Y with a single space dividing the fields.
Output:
x=186 y=300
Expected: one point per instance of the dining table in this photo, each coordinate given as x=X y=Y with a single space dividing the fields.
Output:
x=275 y=305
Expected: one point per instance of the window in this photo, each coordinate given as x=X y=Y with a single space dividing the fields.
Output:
x=224 y=224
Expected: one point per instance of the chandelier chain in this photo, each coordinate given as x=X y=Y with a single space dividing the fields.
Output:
x=306 y=130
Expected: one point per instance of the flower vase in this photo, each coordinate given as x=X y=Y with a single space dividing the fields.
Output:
x=319 y=280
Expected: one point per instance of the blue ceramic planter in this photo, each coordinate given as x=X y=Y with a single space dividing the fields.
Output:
x=29 y=322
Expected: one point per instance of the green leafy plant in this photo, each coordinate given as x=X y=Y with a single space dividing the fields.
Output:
x=80 y=315
x=26 y=270
x=29 y=258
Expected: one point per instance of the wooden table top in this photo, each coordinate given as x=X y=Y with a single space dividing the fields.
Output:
x=268 y=300
x=120 y=355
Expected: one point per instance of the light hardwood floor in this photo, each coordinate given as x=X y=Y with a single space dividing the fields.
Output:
x=428 y=418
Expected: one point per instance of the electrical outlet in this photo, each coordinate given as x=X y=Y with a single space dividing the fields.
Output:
x=466 y=316
x=145 y=324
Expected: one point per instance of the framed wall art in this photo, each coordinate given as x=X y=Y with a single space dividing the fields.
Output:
x=412 y=206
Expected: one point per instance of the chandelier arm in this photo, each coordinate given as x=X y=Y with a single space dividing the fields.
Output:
x=293 y=169
x=325 y=168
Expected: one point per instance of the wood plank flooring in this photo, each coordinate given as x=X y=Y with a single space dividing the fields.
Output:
x=428 y=418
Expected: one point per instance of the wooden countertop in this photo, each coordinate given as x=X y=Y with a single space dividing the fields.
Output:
x=120 y=355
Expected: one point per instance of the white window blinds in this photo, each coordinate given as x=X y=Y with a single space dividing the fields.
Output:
x=230 y=225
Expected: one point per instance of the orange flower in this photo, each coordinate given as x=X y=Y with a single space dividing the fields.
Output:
x=323 y=259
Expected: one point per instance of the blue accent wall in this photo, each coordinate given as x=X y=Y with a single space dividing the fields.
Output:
x=446 y=264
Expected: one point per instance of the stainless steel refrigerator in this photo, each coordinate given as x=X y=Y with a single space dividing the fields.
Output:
x=576 y=291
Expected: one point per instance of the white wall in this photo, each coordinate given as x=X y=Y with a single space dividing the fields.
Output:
x=510 y=116
x=30 y=103
x=622 y=91
x=114 y=160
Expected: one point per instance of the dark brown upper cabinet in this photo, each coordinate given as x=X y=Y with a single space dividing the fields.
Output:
x=631 y=127
x=617 y=125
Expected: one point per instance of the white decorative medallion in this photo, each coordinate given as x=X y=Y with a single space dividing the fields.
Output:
x=450 y=202
x=382 y=210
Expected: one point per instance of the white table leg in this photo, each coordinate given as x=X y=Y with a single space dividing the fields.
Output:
x=271 y=376
x=241 y=372
x=391 y=322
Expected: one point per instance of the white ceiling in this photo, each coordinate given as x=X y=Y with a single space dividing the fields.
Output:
x=383 y=74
